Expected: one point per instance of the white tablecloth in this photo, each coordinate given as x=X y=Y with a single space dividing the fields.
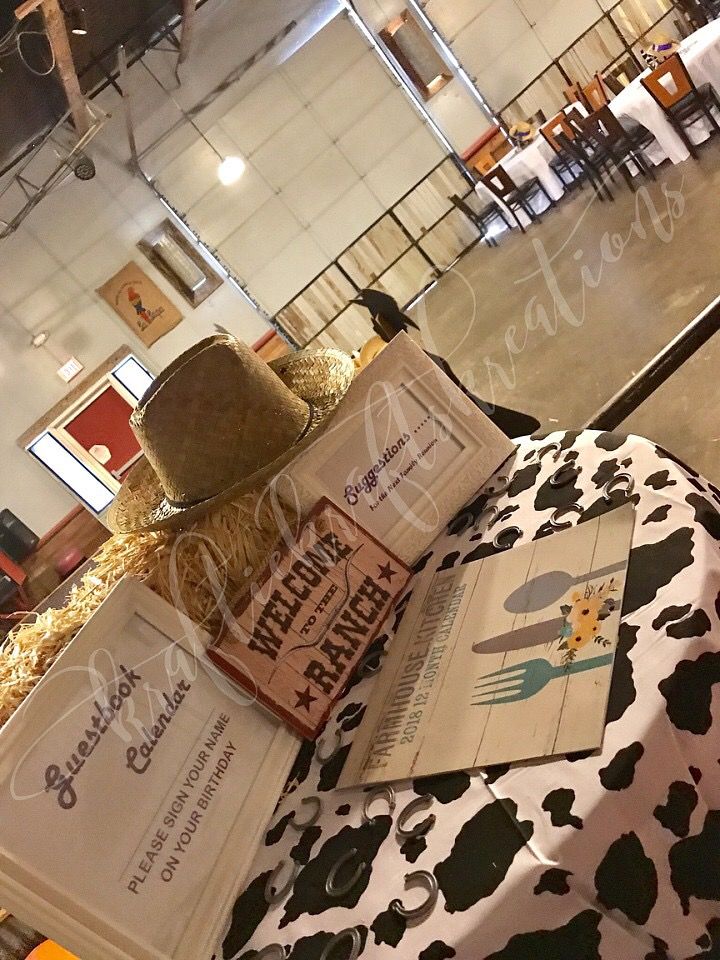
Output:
x=608 y=855
x=523 y=165
x=701 y=55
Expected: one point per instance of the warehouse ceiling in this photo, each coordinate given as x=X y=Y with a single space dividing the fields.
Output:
x=30 y=103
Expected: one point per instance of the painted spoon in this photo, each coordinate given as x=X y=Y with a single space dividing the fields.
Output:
x=548 y=588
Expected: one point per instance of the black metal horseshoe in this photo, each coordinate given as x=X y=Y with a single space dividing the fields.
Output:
x=427 y=879
x=326 y=758
x=501 y=540
x=565 y=475
x=366 y=668
x=505 y=483
x=561 y=511
x=273 y=951
x=379 y=793
x=548 y=448
x=419 y=803
x=492 y=511
x=335 y=890
x=280 y=893
x=355 y=944
x=623 y=481
x=308 y=801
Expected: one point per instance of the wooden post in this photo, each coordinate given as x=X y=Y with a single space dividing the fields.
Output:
x=188 y=17
x=60 y=44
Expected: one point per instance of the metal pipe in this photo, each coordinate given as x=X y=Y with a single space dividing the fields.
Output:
x=690 y=339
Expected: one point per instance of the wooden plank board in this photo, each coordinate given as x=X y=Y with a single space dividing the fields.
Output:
x=60 y=44
x=469 y=682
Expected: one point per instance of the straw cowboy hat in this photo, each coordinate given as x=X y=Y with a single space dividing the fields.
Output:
x=522 y=132
x=220 y=422
x=664 y=47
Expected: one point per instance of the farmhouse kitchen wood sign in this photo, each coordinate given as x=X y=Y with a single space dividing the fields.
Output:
x=135 y=784
x=405 y=450
x=503 y=659
x=297 y=638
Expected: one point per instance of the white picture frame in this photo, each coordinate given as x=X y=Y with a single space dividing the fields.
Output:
x=73 y=891
x=408 y=427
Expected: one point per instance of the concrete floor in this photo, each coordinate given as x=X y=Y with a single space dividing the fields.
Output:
x=557 y=321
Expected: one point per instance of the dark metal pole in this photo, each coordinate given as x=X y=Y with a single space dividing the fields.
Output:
x=658 y=370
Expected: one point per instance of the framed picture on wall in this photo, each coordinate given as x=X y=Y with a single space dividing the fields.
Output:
x=413 y=50
x=180 y=261
x=140 y=303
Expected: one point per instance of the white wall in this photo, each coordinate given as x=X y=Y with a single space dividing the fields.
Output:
x=506 y=44
x=330 y=141
x=454 y=109
x=84 y=232
x=74 y=240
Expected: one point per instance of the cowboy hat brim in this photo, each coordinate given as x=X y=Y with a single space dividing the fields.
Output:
x=321 y=378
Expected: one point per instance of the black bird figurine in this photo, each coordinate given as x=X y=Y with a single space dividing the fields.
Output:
x=388 y=320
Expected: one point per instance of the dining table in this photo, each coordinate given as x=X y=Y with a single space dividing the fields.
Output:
x=524 y=164
x=607 y=854
x=700 y=52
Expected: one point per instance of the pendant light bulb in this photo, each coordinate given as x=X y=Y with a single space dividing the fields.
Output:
x=230 y=170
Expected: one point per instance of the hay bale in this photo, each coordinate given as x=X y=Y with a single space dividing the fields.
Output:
x=203 y=570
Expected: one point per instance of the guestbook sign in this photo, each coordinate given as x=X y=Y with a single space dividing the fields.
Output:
x=134 y=786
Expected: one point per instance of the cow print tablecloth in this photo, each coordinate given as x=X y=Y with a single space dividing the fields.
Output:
x=612 y=855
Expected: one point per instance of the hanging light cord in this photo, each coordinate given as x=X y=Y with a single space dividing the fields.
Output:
x=37 y=33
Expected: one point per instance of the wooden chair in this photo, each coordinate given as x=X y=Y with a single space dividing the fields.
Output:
x=482 y=219
x=596 y=93
x=671 y=86
x=566 y=123
x=517 y=197
x=12 y=582
x=575 y=94
x=562 y=163
x=484 y=164
x=611 y=146
x=592 y=166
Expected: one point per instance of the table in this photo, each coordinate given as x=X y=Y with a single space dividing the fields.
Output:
x=613 y=855
x=700 y=53
x=523 y=165
x=526 y=163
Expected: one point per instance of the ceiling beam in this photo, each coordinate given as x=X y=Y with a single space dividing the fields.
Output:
x=60 y=45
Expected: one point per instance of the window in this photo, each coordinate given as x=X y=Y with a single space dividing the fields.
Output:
x=72 y=473
x=133 y=376
x=86 y=441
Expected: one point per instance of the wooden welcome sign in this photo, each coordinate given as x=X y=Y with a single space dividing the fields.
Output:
x=297 y=638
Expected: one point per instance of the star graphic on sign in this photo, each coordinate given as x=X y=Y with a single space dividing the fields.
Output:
x=386 y=572
x=304 y=699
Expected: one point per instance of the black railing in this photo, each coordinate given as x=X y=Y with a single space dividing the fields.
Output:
x=394 y=214
x=658 y=370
